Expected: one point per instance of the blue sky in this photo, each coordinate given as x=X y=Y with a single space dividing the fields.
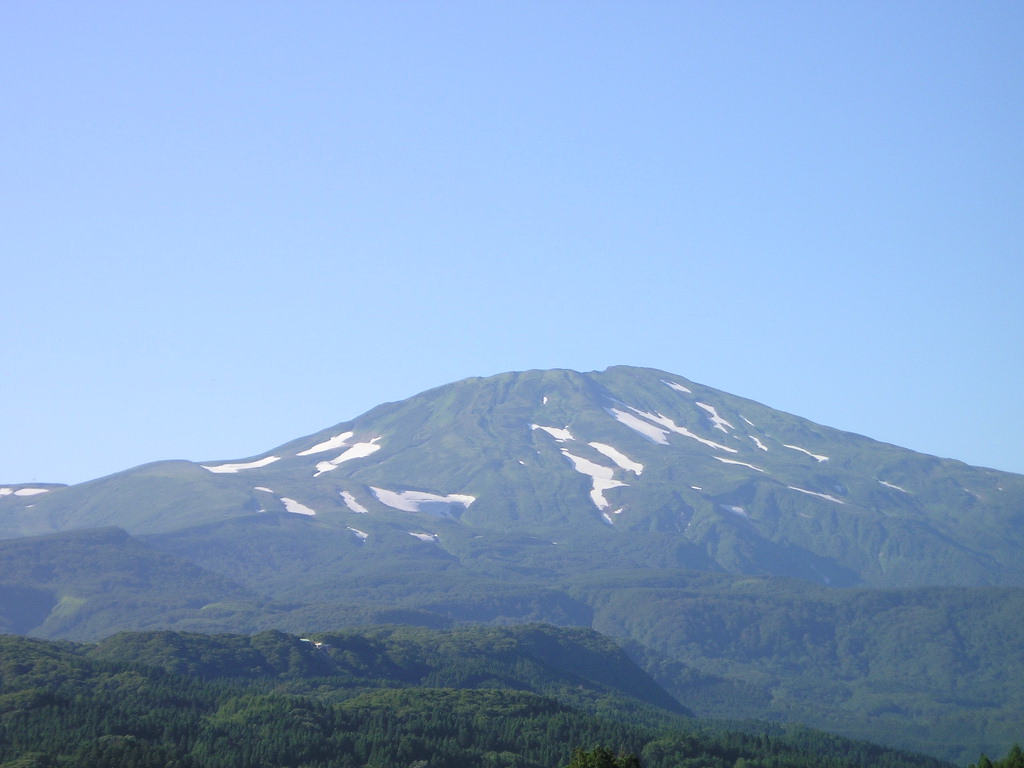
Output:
x=225 y=225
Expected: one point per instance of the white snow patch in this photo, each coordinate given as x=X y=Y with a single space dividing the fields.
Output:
x=421 y=501
x=545 y=400
x=665 y=421
x=561 y=435
x=651 y=432
x=758 y=443
x=588 y=467
x=261 y=488
x=229 y=468
x=735 y=510
x=327 y=445
x=610 y=517
x=600 y=486
x=696 y=488
x=522 y=462
x=619 y=458
x=361 y=535
x=295 y=507
x=351 y=503
x=717 y=420
x=677 y=387
x=748 y=421
x=23 y=491
x=815 y=493
x=357 y=451
x=424 y=536
x=815 y=456
x=741 y=463
x=600 y=475
x=897 y=488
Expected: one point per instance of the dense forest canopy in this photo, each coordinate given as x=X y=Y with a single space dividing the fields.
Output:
x=384 y=697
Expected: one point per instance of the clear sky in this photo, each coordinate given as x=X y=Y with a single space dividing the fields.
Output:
x=224 y=225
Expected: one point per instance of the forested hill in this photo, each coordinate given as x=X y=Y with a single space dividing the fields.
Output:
x=572 y=664
x=383 y=697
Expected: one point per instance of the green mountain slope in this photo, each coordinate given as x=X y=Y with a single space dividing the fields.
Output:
x=626 y=459
x=938 y=668
x=87 y=585
x=80 y=584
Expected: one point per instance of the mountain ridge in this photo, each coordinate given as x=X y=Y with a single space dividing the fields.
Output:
x=739 y=486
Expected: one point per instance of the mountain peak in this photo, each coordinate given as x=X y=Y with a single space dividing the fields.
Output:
x=625 y=459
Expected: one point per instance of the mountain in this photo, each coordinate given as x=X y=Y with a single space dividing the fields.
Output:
x=757 y=564
x=538 y=467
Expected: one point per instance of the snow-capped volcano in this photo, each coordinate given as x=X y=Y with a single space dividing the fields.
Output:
x=626 y=459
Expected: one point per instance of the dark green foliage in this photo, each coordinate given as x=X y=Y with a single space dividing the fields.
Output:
x=1014 y=759
x=237 y=702
x=573 y=665
x=602 y=757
